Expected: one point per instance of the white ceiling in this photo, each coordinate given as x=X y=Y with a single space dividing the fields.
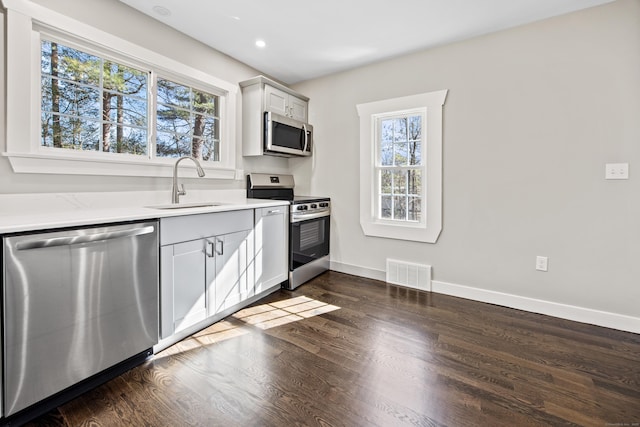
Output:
x=307 y=39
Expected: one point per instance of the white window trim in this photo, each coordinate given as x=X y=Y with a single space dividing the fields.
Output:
x=429 y=231
x=23 y=100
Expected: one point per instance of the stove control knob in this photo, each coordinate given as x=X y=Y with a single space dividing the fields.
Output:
x=324 y=204
x=300 y=208
x=313 y=206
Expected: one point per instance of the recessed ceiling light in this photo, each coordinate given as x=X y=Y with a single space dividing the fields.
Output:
x=260 y=43
x=162 y=11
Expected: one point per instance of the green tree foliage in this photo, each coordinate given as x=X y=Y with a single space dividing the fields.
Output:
x=89 y=103
x=187 y=122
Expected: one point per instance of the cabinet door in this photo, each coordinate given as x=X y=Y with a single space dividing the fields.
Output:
x=271 y=247
x=231 y=262
x=276 y=100
x=298 y=108
x=183 y=286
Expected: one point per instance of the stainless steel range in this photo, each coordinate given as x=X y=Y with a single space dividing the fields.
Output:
x=309 y=225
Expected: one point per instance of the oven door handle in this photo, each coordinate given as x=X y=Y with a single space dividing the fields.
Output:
x=299 y=217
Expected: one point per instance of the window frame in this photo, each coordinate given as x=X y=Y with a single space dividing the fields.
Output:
x=25 y=21
x=429 y=229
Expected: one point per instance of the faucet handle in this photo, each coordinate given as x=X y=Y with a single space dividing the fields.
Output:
x=182 y=191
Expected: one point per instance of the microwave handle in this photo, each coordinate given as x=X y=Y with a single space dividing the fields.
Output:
x=306 y=137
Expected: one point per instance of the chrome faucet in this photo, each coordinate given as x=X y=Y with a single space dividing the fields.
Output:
x=175 y=191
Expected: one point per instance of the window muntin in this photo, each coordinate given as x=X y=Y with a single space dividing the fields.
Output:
x=90 y=103
x=399 y=166
x=188 y=122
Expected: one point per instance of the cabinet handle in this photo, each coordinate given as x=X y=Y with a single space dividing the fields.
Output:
x=210 y=249
x=273 y=212
x=221 y=251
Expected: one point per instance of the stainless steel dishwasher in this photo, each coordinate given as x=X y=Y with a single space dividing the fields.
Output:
x=75 y=303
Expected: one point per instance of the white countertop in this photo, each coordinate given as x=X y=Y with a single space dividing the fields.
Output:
x=43 y=211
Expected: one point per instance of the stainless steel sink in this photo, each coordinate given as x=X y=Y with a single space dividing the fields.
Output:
x=186 y=205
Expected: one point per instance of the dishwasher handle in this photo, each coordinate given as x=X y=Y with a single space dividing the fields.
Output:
x=83 y=238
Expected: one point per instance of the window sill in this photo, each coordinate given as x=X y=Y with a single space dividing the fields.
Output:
x=412 y=232
x=121 y=166
x=414 y=225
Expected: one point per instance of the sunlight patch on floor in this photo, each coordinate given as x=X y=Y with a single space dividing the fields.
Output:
x=264 y=316
x=278 y=313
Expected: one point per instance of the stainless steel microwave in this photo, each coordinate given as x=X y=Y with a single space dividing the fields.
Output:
x=284 y=136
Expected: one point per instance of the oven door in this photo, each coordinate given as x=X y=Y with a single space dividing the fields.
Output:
x=308 y=240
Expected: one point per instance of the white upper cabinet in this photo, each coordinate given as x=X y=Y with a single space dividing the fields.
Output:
x=261 y=95
x=285 y=104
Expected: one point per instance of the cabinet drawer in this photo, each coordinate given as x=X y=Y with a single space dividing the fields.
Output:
x=192 y=227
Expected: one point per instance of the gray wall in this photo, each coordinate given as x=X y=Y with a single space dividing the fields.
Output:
x=531 y=118
x=119 y=19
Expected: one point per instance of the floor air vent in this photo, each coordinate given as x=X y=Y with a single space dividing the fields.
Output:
x=411 y=275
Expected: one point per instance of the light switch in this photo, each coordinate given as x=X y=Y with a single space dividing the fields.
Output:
x=616 y=171
x=542 y=263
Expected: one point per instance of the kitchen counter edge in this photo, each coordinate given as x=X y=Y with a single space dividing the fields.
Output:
x=48 y=220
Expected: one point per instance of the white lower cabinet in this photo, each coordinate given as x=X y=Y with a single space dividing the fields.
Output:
x=271 y=247
x=182 y=279
x=203 y=267
x=233 y=282
x=212 y=264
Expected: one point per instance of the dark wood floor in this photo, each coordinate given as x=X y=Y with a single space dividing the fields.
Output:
x=347 y=351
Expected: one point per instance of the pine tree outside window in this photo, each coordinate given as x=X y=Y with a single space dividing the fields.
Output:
x=89 y=103
x=187 y=122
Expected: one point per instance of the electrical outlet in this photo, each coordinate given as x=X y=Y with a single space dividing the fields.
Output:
x=616 y=171
x=542 y=263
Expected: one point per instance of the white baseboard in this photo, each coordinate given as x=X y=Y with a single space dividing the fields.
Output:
x=356 y=270
x=563 y=311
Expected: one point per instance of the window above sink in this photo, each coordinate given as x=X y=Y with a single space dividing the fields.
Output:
x=87 y=102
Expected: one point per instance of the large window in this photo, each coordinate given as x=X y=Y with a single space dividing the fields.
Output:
x=401 y=167
x=83 y=101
